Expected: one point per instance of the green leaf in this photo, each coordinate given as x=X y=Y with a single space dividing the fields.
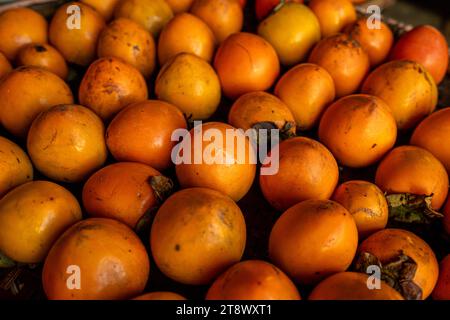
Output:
x=411 y=209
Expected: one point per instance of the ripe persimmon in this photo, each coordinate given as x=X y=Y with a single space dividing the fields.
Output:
x=191 y=84
x=258 y=107
x=409 y=169
x=5 y=65
x=15 y=166
x=433 y=134
x=352 y=286
x=313 y=239
x=129 y=41
x=376 y=41
x=19 y=27
x=407 y=88
x=67 y=143
x=358 y=129
x=179 y=6
x=224 y=17
x=78 y=44
x=111 y=261
x=196 y=234
x=186 y=33
x=253 y=280
x=44 y=90
x=333 y=15
x=366 y=202
x=246 y=62
x=291 y=40
x=425 y=45
x=104 y=7
x=122 y=191
x=160 y=296
x=44 y=56
x=307 y=89
x=442 y=289
x=264 y=7
x=109 y=85
x=153 y=15
x=142 y=133
x=388 y=244
x=344 y=59
x=32 y=217
x=215 y=170
x=307 y=170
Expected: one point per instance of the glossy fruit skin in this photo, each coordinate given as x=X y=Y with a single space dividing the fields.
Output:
x=312 y=240
x=109 y=85
x=253 y=280
x=153 y=15
x=307 y=89
x=333 y=15
x=259 y=106
x=433 y=134
x=15 y=166
x=32 y=217
x=396 y=82
x=191 y=84
x=233 y=180
x=113 y=262
x=291 y=40
x=352 y=286
x=66 y=143
x=224 y=17
x=104 y=7
x=19 y=27
x=366 y=202
x=359 y=130
x=344 y=59
x=160 y=296
x=179 y=6
x=246 y=62
x=307 y=170
x=120 y=191
x=197 y=233
x=142 y=133
x=442 y=289
x=425 y=45
x=44 y=56
x=76 y=45
x=44 y=90
x=5 y=66
x=186 y=33
x=388 y=243
x=264 y=7
x=129 y=41
x=409 y=169
x=377 y=42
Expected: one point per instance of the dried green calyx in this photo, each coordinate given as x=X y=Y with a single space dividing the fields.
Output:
x=411 y=209
x=398 y=273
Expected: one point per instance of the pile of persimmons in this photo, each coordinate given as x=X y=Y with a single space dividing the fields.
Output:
x=91 y=197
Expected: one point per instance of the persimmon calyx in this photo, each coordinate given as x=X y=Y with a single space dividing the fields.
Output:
x=162 y=187
x=398 y=273
x=411 y=208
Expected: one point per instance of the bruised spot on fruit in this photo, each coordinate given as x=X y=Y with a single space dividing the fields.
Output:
x=177 y=247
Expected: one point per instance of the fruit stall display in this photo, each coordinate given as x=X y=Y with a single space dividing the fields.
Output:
x=91 y=93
